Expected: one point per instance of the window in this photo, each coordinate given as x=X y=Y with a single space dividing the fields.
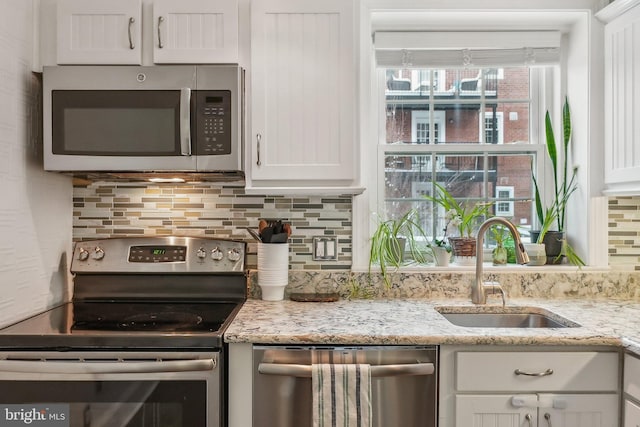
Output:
x=504 y=201
x=493 y=133
x=403 y=40
x=455 y=135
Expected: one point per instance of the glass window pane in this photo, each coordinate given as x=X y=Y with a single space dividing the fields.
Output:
x=459 y=106
x=405 y=176
x=462 y=123
x=471 y=179
x=511 y=187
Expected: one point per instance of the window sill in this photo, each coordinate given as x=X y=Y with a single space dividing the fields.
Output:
x=488 y=267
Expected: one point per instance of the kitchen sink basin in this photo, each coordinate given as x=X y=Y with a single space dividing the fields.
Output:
x=504 y=317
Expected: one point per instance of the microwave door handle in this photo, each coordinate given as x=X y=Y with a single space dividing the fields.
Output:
x=185 y=121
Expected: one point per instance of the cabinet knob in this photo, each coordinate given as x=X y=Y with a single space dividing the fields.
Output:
x=529 y=418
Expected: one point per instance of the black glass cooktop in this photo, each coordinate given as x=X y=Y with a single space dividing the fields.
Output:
x=150 y=316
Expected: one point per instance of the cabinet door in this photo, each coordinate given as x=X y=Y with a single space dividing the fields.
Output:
x=631 y=414
x=195 y=31
x=303 y=90
x=494 y=411
x=574 y=410
x=99 y=32
x=622 y=103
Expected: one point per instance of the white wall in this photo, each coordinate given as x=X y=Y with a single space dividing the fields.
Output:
x=35 y=206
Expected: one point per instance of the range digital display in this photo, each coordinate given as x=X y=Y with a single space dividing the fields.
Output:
x=157 y=254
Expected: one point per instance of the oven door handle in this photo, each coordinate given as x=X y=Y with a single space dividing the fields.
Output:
x=126 y=367
x=304 y=371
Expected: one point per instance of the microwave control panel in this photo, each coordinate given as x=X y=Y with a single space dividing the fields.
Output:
x=212 y=122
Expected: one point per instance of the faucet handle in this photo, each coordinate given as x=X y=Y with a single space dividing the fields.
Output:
x=492 y=288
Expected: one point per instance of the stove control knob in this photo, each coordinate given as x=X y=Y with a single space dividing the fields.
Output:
x=98 y=253
x=216 y=254
x=83 y=254
x=234 y=254
x=202 y=254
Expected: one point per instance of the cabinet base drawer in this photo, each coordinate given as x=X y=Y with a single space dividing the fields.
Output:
x=537 y=371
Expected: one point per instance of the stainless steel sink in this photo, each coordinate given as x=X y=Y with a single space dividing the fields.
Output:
x=504 y=317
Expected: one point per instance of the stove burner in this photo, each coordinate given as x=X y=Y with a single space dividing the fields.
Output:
x=168 y=320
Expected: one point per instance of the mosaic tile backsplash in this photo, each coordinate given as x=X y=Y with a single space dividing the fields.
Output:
x=624 y=233
x=210 y=210
x=104 y=210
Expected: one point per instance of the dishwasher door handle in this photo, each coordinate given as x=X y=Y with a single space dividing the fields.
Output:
x=304 y=371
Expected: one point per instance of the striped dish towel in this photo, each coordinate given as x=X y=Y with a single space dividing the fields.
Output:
x=341 y=395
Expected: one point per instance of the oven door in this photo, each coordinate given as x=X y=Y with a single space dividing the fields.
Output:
x=118 y=118
x=109 y=390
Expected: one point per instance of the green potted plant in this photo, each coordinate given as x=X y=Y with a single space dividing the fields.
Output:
x=565 y=184
x=392 y=238
x=463 y=217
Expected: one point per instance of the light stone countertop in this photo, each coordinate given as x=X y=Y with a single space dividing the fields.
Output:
x=416 y=322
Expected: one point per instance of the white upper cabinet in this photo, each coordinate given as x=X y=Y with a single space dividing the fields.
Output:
x=622 y=97
x=91 y=32
x=141 y=32
x=195 y=31
x=303 y=94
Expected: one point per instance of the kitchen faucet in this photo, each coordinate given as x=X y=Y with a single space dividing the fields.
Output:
x=480 y=289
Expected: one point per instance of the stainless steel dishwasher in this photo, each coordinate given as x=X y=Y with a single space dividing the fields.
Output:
x=404 y=383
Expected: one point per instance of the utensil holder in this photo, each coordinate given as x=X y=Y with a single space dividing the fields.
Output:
x=273 y=270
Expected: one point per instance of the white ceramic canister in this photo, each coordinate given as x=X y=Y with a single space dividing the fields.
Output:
x=273 y=270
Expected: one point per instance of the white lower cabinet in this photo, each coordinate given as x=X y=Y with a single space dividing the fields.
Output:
x=631 y=414
x=631 y=391
x=493 y=410
x=528 y=387
x=537 y=410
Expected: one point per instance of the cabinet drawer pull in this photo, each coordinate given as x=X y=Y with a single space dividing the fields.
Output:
x=160 y=21
x=534 y=374
x=131 y=45
x=547 y=416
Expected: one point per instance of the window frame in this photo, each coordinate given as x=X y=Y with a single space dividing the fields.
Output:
x=538 y=84
x=579 y=78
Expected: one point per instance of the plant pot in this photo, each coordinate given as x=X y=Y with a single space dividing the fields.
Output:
x=499 y=255
x=441 y=256
x=552 y=241
x=464 y=250
x=399 y=247
x=537 y=253
x=463 y=246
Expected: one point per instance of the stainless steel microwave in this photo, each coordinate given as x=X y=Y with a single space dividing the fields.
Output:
x=182 y=118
